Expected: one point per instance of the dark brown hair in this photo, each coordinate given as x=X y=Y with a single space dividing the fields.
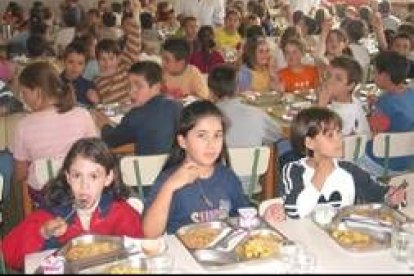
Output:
x=309 y=123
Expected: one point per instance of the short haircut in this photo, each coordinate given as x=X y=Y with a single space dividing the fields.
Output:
x=403 y=36
x=108 y=46
x=109 y=19
x=75 y=47
x=116 y=7
x=350 y=66
x=151 y=71
x=355 y=29
x=222 y=80
x=188 y=19
x=393 y=64
x=297 y=42
x=384 y=6
x=146 y=20
x=310 y=122
x=407 y=27
x=178 y=47
x=233 y=11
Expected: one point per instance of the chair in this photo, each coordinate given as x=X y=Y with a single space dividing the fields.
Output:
x=141 y=171
x=392 y=144
x=250 y=162
x=354 y=147
x=45 y=169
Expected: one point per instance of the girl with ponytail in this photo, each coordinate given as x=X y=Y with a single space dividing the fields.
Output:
x=52 y=125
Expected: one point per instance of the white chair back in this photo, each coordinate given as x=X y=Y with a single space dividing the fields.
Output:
x=47 y=168
x=141 y=170
x=399 y=144
x=251 y=161
x=393 y=144
x=354 y=147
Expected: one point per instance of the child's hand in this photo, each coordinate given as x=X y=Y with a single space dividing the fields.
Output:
x=54 y=228
x=395 y=197
x=184 y=175
x=275 y=213
x=93 y=96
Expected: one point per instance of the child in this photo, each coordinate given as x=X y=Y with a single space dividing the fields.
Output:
x=255 y=72
x=190 y=30
x=112 y=83
x=180 y=78
x=206 y=58
x=249 y=125
x=74 y=59
x=344 y=74
x=194 y=183
x=87 y=197
x=297 y=76
x=320 y=178
x=151 y=122
x=51 y=127
x=227 y=36
x=392 y=112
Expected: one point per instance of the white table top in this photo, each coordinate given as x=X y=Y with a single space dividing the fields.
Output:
x=330 y=257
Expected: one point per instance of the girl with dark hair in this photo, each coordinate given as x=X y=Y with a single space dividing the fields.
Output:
x=206 y=57
x=53 y=125
x=87 y=196
x=321 y=178
x=195 y=184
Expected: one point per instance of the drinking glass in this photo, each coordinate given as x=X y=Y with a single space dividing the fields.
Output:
x=161 y=264
x=402 y=243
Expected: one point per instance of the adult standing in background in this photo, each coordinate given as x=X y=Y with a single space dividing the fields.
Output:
x=207 y=12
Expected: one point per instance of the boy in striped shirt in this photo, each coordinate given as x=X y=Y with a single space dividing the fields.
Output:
x=112 y=83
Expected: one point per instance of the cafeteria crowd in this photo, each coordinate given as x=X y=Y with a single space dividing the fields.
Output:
x=178 y=74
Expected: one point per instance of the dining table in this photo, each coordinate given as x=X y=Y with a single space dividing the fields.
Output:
x=329 y=257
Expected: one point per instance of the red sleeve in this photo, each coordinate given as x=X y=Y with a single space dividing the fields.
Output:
x=128 y=220
x=379 y=122
x=23 y=239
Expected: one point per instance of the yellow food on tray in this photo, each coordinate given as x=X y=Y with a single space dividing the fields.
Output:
x=125 y=269
x=199 y=238
x=88 y=250
x=258 y=246
x=351 y=238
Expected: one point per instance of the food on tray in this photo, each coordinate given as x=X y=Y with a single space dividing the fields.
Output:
x=258 y=246
x=125 y=269
x=88 y=250
x=352 y=238
x=199 y=238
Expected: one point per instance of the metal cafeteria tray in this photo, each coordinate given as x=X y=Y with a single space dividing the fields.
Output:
x=92 y=250
x=364 y=228
x=202 y=235
x=238 y=246
x=133 y=264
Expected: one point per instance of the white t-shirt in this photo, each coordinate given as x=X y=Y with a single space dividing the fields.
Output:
x=207 y=12
x=391 y=23
x=354 y=120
